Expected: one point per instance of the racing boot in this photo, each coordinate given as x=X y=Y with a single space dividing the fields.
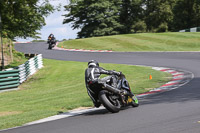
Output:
x=97 y=104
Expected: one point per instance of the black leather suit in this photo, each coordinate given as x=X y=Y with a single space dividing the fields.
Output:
x=92 y=75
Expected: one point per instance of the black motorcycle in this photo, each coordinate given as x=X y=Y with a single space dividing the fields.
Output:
x=52 y=42
x=114 y=98
x=48 y=40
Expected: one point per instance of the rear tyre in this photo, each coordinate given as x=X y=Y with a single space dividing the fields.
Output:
x=112 y=105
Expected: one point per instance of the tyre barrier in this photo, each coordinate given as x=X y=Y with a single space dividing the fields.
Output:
x=195 y=29
x=12 y=78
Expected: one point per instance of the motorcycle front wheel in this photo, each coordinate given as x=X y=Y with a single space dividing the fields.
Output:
x=112 y=105
x=135 y=102
x=50 y=47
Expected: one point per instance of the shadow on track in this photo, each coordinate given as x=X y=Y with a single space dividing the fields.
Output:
x=98 y=112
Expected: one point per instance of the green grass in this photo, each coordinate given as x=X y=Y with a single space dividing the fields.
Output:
x=171 y=41
x=60 y=87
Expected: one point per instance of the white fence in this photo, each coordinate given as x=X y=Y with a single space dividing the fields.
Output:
x=195 y=29
x=13 y=77
x=30 y=67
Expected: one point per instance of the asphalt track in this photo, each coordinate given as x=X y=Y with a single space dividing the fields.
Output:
x=175 y=111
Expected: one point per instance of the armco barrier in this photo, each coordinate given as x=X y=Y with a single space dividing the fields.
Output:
x=30 y=67
x=12 y=78
x=9 y=79
x=195 y=29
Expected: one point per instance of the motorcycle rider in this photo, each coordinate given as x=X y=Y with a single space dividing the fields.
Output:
x=51 y=38
x=51 y=35
x=92 y=76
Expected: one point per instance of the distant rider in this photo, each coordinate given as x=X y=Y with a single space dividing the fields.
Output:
x=51 y=35
x=92 y=75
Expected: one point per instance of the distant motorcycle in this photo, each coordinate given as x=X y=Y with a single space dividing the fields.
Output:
x=112 y=98
x=52 y=42
x=48 y=40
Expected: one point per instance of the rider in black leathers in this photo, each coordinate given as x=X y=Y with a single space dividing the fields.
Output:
x=51 y=40
x=92 y=75
x=51 y=35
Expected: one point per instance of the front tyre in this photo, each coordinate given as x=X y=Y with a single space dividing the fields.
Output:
x=112 y=105
x=135 y=102
x=50 y=46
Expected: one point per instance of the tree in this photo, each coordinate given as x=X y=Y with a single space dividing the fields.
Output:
x=109 y=17
x=139 y=26
x=23 y=18
x=158 y=14
x=94 y=17
x=73 y=1
x=186 y=14
x=131 y=12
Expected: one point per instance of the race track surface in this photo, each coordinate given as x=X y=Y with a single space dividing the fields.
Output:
x=175 y=111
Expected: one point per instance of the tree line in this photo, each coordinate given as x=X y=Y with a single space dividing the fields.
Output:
x=24 y=18
x=110 y=17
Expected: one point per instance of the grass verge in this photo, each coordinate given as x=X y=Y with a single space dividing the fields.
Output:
x=60 y=87
x=18 y=59
x=171 y=41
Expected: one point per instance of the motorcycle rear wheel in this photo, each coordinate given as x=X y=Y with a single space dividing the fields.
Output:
x=109 y=104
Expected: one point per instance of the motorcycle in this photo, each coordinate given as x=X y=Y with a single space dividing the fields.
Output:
x=114 y=98
x=48 y=40
x=52 y=43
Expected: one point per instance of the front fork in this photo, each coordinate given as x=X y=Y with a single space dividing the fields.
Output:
x=128 y=97
x=135 y=99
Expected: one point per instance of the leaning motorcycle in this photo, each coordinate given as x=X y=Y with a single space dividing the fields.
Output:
x=114 y=98
x=52 y=43
x=48 y=40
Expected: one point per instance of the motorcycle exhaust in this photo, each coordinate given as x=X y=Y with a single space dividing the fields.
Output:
x=116 y=91
x=112 y=89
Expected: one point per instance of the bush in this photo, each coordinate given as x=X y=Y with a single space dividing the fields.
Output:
x=163 y=27
x=140 y=26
